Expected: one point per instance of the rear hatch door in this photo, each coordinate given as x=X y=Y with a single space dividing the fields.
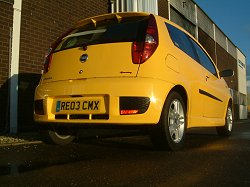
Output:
x=98 y=48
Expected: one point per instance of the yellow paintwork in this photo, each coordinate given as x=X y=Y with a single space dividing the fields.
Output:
x=96 y=65
x=102 y=78
x=110 y=89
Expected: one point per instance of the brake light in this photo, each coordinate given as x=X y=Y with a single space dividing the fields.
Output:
x=47 y=61
x=48 y=56
x=141 y=51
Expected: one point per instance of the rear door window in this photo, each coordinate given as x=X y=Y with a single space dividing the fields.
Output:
x=180 y=40
x=204 y=59
x=186 y=44
x=106 y=31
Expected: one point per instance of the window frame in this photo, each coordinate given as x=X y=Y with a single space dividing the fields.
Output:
x=194 y=43
x=105 y=31
x=195 y=47
x=183 y=48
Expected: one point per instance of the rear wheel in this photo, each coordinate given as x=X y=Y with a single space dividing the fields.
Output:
x=58 y=135
x=226 y=130
x=170 y=132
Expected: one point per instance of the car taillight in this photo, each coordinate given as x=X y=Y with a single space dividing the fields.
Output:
x=47 y=61
x=141 y=51
x=48 y=56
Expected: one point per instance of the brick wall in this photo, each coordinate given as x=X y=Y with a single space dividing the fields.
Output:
x=163 y=8
x=208 y=43
x=226 y=61
x=45 y=20
x=42 y=22
x=6 y=19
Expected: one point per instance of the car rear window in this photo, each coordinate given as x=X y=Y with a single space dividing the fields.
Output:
x=128 y=29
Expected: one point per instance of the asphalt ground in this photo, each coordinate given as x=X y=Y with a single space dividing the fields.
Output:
x=34 y=137
x=103 y=157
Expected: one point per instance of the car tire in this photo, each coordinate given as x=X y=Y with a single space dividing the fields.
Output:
x=58 y=135
x=169 y=134
x=226 y=130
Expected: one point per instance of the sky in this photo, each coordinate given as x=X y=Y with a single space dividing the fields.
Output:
x=233 y=18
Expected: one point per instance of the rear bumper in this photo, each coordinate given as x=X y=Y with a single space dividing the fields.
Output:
x=111 y=90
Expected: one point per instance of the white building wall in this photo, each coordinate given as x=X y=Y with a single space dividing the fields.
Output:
x=242 y=84
x=242 y=72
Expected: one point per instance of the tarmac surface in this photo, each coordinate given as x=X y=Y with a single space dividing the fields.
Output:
x=104 y=157
x=34 y=137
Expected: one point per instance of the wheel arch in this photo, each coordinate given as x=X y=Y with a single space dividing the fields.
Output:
x=182 y=91
x=160 y=134
x=230 y=103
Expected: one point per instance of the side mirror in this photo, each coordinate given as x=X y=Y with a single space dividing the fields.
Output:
x=227 y=73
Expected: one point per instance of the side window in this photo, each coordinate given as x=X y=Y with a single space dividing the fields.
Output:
x=204 y=59
x=180 y=40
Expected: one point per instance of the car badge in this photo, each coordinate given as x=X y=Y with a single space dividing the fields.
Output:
x=84 y=58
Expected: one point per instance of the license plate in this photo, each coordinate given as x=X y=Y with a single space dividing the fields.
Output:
x=78 y=106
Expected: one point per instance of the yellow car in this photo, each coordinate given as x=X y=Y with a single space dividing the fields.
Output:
x=131 y=69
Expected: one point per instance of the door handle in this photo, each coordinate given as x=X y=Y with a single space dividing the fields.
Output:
x=207 y=77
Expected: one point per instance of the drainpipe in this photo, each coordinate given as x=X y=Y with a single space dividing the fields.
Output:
x=112 y=4
x=122 y=5
x=135 y=6
x=196 y=22
x=14 y=70
x=227 y=44
x=156 y=7
x=117 y=6
x=215 y=47
x=169 y=7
